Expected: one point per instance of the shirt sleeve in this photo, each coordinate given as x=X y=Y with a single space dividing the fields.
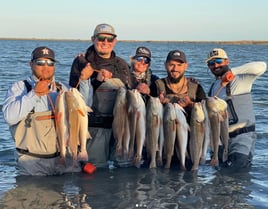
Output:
x=18 y=103
x=245 y=75
x=86 y=90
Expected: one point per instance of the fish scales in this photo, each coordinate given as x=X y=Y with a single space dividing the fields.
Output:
x=137 y=123
x=197 y=134
x=169 y=124
x=154 y=133
x=182 y=128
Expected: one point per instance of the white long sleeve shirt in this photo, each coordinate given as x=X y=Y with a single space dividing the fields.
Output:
x=18 y=102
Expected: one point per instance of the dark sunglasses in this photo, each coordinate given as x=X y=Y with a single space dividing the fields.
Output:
x=215 y=61
x=144 y=59
x=103 y=38
x=49 y=63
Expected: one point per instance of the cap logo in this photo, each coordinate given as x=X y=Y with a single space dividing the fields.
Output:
x=143 y=51
x=45 y=51
x=213 y=53
x=106 y=28
x=178 y=54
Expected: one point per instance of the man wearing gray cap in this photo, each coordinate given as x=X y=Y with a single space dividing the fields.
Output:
x=98 y=74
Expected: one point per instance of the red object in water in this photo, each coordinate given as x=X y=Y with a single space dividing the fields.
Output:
x=228 y=77
x=89 y=168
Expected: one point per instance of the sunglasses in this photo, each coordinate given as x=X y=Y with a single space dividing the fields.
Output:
x=215 y=61
x=103 y=38
x=144 y=59
x=49 y=63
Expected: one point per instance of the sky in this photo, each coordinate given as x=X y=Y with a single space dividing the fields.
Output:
x=145 y=20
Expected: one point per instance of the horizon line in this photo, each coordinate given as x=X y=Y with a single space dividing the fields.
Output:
x=164 y=41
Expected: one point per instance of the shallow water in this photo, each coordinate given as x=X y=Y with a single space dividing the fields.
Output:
x=132 y=187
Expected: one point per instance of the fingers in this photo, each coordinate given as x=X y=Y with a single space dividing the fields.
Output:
x=143 y=88
x=185 y=101
x=42 y=87
x=104 y=75
x=162 y=98
x=87 y=72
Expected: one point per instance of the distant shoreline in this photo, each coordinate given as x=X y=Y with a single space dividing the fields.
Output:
x=148 y=41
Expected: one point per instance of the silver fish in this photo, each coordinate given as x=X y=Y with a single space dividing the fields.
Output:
x=120 y=124
x=197 y=134
x=224 y=126
x=136 y=117
x=154 y=133
x=169 y=124
x=207 y=134
x=215 y=120
x=182 y=128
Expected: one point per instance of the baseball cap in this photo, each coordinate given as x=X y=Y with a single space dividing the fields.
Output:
x=104 y=28
x=143 y=52
x=216 y=53
x=177 y=56
x=43 y=52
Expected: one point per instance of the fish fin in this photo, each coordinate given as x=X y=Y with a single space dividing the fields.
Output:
x=89 y=109
x=58 y=117
x=89 y=135
x=81 y=112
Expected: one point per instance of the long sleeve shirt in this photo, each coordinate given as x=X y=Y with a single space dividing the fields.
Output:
x=19 y=102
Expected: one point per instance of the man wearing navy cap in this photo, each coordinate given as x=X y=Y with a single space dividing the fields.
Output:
x=176 y=88
x=25 y=102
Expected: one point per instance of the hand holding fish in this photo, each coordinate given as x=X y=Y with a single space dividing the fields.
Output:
x=104 y=75
x=227 y=78
x=42 y=87
x=163 y=99
x=185 y=101
x=87 y=72
x=143 y=88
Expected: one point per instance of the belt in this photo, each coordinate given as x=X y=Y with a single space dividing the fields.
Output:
x=26 y=152
x=241 y=131
x=100 y=121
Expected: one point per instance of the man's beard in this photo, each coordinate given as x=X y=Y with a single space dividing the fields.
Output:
x=221 y=70
x=174 y=80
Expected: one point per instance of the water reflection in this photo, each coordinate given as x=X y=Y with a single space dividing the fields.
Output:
x=133 y=188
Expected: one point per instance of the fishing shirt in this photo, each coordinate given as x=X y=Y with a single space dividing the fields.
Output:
x=19 y=102
x=242 y=123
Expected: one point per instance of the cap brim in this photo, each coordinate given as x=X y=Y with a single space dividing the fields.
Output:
x=215 y=57
x=142 y=55
x=178 y=60
x=107 y=33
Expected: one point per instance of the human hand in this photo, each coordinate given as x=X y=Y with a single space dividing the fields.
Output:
x=227 y=78
x=143 y=88
x=104 y=75
x=163 y=99
x=41 y=88
x=185 y=101
x=87 y=72
x=193 y=80
x=82 y=54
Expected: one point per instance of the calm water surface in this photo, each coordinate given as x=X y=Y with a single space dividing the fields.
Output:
x=131 y=187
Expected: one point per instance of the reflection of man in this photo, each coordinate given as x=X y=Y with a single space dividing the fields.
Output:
x=113 y=73
x=237 y=93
